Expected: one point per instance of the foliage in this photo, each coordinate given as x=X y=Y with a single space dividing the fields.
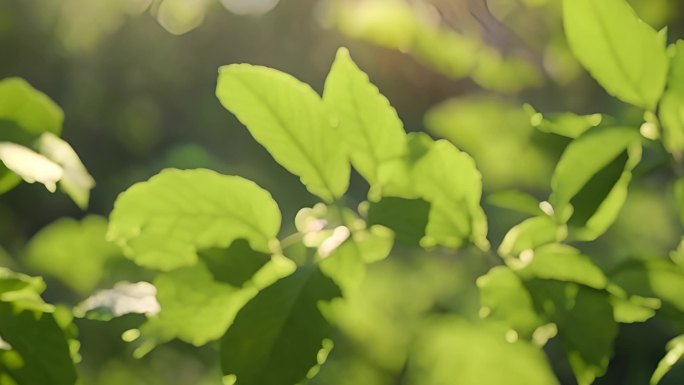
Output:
x=214 y=261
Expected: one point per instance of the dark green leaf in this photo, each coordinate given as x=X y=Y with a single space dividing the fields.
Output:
x=275 y=338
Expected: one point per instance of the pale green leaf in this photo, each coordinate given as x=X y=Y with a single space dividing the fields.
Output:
x=589 y=185
x=75 y=252
x=561 y=263
x=515 y=200
x=531 y=234
x=290 y=120
x=194 y=307
x=453 y=351
x=162 y=223
x=675 y=352
x=181 y=16
x=671 y=109
x=124 y=298
x=275 y=338
x=75 y=181
x=369 y=125
x=657 y=278
x=634 y=309
x=450 y=181
x=624 y=54
x=504 y=298
x=565 y=124
x=27 y=109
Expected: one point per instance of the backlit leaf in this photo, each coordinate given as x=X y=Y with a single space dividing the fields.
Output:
x=290 y=120
x=163 y=222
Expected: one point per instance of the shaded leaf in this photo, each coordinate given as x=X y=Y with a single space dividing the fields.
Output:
x=407 y=218
x=162 y=223
x=652 y=278
x=275 y=338
x=584 y=318
x=290 y=120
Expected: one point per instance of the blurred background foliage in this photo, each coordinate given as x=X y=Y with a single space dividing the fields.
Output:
x=136 y=81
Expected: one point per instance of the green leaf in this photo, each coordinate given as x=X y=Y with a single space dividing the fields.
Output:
x=275 y=338
x=28 y=110
x=346 y=265
x=369 y=125
x=397 y=177
x=75 y=252
x=407 y=218
x=634 y=308
x=657 y=278
x=450 y=181
x=591 y=179
x=531 y=234
x=675 y=352
x=453 y=351
x=671 y=109
x=35 y=348
x=516 y=201
x=584 y=318
x=194 y=307
x=39 y=351
x=498 y=135
x=290 y=120
x=75 y=180
x=624 y=54
x=236 y=264
x=504 y=298
x=561 y=263
x=162 y=223
x=565 y=124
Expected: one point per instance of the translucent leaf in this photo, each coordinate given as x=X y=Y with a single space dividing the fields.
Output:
x=515 y=200
x=347 y=264
x=565 y=124
x=561 y=263
x=368 y=123
x=675 y=352
x=591 y=179
x=453 y=351
x=249 y=7
x=276 y=337
x=290 y=120
x=75 y=181
x=504 y=298
x=124 y=298
x=181 y=16
x=531 y=234
x=498 y=135
x=75 y=252
x=584 y=318
x=30 y=166
x=162 y=223
x=27 y=109
x=624 y=54
x=194 y=307
x=450 y=181
x=657 y=278
x=671 y=108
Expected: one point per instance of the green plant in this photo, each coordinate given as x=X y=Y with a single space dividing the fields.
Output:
x=225 y=273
